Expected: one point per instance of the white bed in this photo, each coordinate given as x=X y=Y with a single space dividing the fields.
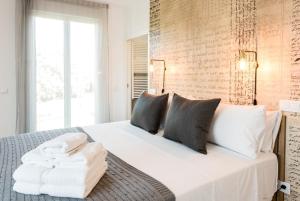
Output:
x=221 y=175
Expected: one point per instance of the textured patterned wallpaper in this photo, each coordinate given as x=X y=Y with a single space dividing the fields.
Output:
x=200 y=41
x=292 y=166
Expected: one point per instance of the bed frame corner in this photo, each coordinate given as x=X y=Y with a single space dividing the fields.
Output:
x=279 y=150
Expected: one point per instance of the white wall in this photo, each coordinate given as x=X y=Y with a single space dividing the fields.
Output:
x=127 y=19
x=117 y=62
x=7 y=68
x=138 y=13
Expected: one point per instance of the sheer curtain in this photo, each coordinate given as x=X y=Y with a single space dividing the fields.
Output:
x=80 y=10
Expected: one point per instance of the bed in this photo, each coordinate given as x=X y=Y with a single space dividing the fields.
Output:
x=177 y=172
x=220 y=175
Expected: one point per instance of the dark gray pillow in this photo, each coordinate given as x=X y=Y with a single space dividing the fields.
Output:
x=188 y=121
x=148 y=111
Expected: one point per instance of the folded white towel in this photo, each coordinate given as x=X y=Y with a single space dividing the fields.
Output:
x=37 y=174
x=58 y=176
x=82 y=157
x=27 y=188
x=70 y=190
x=37 y=158
x=63 y=145
x=73 y=191
x=66 y=176
x=30 y=173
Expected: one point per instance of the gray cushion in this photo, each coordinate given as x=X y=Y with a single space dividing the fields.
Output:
x=188 y=121
x=148 y=111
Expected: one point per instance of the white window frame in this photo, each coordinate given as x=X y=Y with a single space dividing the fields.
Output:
x=32 y=105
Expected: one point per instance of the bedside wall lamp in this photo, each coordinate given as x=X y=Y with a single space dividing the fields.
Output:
x=243 y=64
x=151 y=68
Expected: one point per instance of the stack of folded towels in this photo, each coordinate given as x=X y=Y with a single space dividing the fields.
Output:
x=67 y=166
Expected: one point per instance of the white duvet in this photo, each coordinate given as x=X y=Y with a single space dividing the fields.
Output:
x=221 y=175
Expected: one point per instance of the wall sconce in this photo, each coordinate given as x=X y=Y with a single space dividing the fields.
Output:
x=151 y=67
x=243 y=64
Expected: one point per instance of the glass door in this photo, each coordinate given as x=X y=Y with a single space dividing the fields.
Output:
x=83 y=73
x=49 y=46
x=65 y=66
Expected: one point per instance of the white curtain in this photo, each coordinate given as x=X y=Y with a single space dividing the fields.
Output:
x=25 y=46
x=22 y=10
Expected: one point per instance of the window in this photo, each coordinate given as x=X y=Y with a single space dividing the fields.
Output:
x=65 y=73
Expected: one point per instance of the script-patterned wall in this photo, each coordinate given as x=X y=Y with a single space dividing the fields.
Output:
x=200 y=41
x=292 y=163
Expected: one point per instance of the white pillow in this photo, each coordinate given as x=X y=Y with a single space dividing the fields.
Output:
x=273 y=119
x=239 y=128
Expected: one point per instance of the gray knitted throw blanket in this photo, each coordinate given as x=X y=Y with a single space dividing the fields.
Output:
x=121 y=182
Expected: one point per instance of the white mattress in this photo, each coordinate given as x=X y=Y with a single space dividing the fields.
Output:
x=221 y=175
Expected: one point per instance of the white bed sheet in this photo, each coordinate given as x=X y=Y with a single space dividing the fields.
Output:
x=221 y=175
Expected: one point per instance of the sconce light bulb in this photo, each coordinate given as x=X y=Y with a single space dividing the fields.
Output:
x=151 y=68
x=172 y=70
x=243 y=64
